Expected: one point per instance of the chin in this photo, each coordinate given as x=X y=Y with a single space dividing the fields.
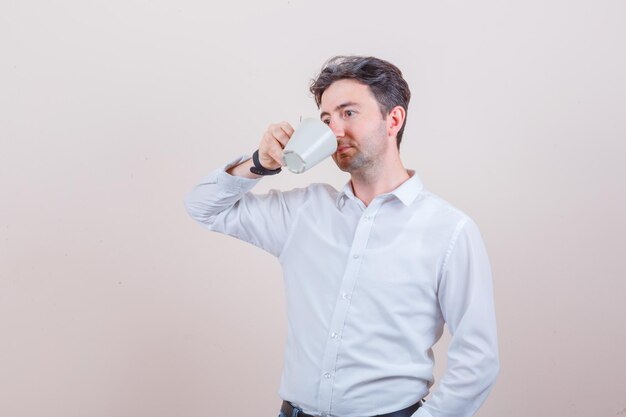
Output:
x=342 y=165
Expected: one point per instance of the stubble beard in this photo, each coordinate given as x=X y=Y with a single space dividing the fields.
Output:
x=351 y=163
x=360 y=162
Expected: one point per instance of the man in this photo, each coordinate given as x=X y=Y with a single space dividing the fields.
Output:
x=372 y=272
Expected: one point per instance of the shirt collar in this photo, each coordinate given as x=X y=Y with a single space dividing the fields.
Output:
x=406 y=192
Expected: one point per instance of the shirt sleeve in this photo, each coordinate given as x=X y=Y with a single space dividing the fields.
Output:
x=466 y=301
x=223 y=203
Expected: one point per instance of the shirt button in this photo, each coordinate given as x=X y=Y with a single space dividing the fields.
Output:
x=327 y=375
x=355 y=256
x=334 y=335
x=345 y=296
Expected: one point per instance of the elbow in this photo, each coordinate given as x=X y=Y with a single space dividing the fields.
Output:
x=493 y=367
x=190 y=205
x=197 y=210
x=496 y=372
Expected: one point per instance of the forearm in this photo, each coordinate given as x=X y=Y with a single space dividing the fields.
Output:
x=468 y=380
x=219 y=191
x=243 y=170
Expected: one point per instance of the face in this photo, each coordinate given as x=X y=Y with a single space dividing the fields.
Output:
x=353 y=114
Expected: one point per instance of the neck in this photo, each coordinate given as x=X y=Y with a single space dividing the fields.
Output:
x=376 y=180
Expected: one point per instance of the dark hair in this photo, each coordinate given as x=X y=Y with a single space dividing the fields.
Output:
x=383 y=78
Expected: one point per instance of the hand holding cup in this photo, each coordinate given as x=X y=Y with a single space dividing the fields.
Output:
x=299 y=150
x=311 y=143
x=271 y=147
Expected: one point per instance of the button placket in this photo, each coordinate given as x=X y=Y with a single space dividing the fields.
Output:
x=342 y=307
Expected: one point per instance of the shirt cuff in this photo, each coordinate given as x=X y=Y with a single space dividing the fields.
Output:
x=233 y=182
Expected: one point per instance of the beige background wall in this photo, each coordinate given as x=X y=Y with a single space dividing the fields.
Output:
x=114 y=303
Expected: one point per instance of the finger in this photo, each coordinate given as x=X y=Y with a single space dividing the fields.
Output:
x=270 y=152
x=286 y=127
x=280 y=135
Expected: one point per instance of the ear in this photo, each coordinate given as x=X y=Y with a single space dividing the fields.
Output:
x=395 y=120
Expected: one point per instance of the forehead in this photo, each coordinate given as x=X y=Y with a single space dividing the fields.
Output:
x=347 y=90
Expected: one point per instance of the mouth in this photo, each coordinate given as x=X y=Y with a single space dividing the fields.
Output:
x=342 y=149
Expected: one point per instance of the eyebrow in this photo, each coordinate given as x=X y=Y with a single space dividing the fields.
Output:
x=339 y=107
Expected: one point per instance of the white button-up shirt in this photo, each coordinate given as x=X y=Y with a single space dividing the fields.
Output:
x=368 y=292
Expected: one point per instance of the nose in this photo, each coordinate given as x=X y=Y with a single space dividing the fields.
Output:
x=337 y=127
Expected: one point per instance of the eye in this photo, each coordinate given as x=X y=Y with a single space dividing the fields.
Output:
x=348 y=113
x=326 y=121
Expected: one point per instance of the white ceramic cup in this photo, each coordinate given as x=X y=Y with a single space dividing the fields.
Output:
x=311 y=142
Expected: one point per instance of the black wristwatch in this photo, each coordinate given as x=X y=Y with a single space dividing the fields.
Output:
x=260 y=169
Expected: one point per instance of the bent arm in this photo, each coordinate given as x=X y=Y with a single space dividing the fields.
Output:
x=466 y=301
x=223 y=203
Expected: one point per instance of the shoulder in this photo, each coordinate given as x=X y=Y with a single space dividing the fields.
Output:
x=438 y=207
x=441 y=215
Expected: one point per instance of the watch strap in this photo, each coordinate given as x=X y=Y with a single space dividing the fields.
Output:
x=260 y=169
